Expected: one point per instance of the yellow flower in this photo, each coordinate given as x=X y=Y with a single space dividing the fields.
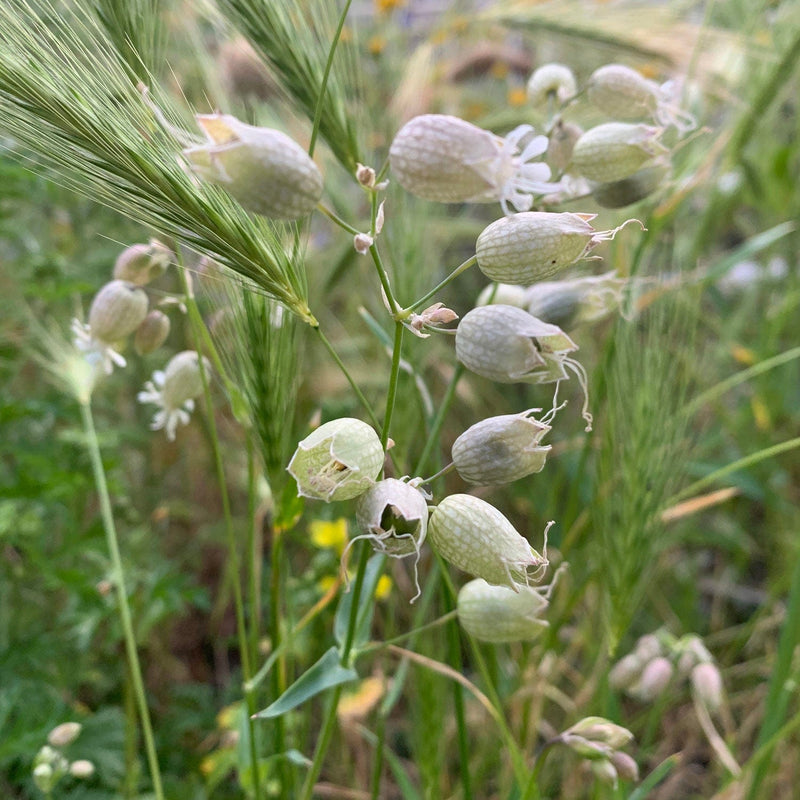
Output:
x=384 y=587
x=385 y=6
x=329 y=533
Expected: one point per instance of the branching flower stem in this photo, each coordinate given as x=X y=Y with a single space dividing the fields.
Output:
x=122 y=597
x=433 y=292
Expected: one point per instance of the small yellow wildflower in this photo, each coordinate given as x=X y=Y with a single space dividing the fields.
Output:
x=329 y=534
x=761 y=414
x=517 y=96
x=387 y=6
x=376 y=45
x=356 y=705
x=384 y=587
x=744 y=355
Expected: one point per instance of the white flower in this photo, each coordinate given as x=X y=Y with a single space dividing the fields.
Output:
x=98 y=354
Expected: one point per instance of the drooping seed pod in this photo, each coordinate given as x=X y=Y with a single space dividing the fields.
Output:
x=448 y=160
x=151 y=333
x=574 y=302
x=265 y=170
x=561 y=144
x=622 y=93
x=142 y=263
x=632 y=189
x=503 y=294
x=508 y=345
x=475 y=537
x=533 y=245
x=616 y=150
x=116 y=311
x=499 y=614
x=393 y=515
x=339 y=460
x=551 y=81
x=501 y=449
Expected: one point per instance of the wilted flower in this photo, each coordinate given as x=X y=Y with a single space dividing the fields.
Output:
x=339 y=460
x=432 y=317
x=551 y=81
x=142 y=263
x=501 y=449
x=499 y=614
x=448 y=160
x=174 y=391
x=616 y=150
x=475 y=537
x=577 y=301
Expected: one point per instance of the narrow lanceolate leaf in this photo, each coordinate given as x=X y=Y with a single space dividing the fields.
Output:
x=325 y=674
x=69 y=103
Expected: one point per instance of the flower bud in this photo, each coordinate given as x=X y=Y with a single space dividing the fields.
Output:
x=475 y=537
x=615 y=150
x=394 y=516
x=265 y=170
x=142 y=263
x=448 y=160
x=64 y=734
x=116 y=311
x=605 y=772
x=82 y=768
x=43 y=777
x=551 y=81
x=625 y=672
x=561 y=144
x=499 y=614
x=152 y=332
x=632 y=189
x=648 y=647
x=602 y=731
x=626 y=767
x=533 y=245
x=622 y=93
x=503 y=294
x=501 y=449
x=707 y=685
x=508 y=345
x=339 y=460
x=654 y=679
x=574 y=302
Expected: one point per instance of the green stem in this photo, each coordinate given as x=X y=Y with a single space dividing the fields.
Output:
x=393 y=380
x=532 y=788
x=384 y=279
x=337 y=220
x=441 y=473
x=122 y=597
x=436 y=427
x=433 y=292
x=324 y=85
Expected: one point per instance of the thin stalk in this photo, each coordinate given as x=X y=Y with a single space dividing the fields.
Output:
x=254 y=551
x=433 y=292
x=329 y=723
x=122 y=597
x=441 y=473
x=353 y=385
x=532 y=789
x=384 y=279
x=393 y=380
x=324 y=85
x=337 y=220
x=436 y=427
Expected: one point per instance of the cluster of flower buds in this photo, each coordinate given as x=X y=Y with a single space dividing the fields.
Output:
x=599 y=742
x=659 y=660
x=50 y=764
x=121 y=308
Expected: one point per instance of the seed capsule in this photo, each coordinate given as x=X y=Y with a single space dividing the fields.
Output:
x=394 y=516
x=475 y=537
x=501 y=449
x=615 y=150
x=533 y=245
x=551 y=81
x=142 y=263
x=152 y=332
x=116 y=311
x=337 y=461
x=632 y=189
x=499 y=614
x=265 y=170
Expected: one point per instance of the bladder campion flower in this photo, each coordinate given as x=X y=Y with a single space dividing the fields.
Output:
x=616 y=150
x=448 y=160
x=151 y=333
x=142 y=263
x=551 y=81
x=499 y=614
x=174 y=390
x=475 y=537
x=339 y=460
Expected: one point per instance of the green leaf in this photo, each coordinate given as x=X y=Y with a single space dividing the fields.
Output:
x=366 y=606
x=325 y=674
x=654 y=778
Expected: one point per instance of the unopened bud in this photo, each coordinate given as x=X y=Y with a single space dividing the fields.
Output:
x=601 y=730
x=551 y=81
x=626 y=767
x=64 y=734
x=82 y=768
x=362 y=243
x=632 y=189
x=707 y=685
x=499 y=614
x=616 y=150
x=339 y=460
x=561 y=144
x=625 y=672
x=655 y=678
x=142 y=263
x=116 y=311
x=605 y=772
x=475 y=537
x=152 y=332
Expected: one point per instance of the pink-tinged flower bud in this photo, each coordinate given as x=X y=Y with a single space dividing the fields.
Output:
x=602 y=731
x=577 y=301
x=64 y=734
x=142 y=263
x=116 y=311
x=626 y=672
x=448 y=160
x=82 y=768
x=499 y=614
x=632 y=189
x=152 y=332
x=501 y=449
x=265 y=170
x=626 y=767
x=561 y=144
x=503 y=294
x=475 y=537
x=655 y=678
x=338 y=461
x=648 y=647
x=551 y=82
x=393 y=515
x=605 y=772
x=707 y=685
x=534 y=245
x=616 y=150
